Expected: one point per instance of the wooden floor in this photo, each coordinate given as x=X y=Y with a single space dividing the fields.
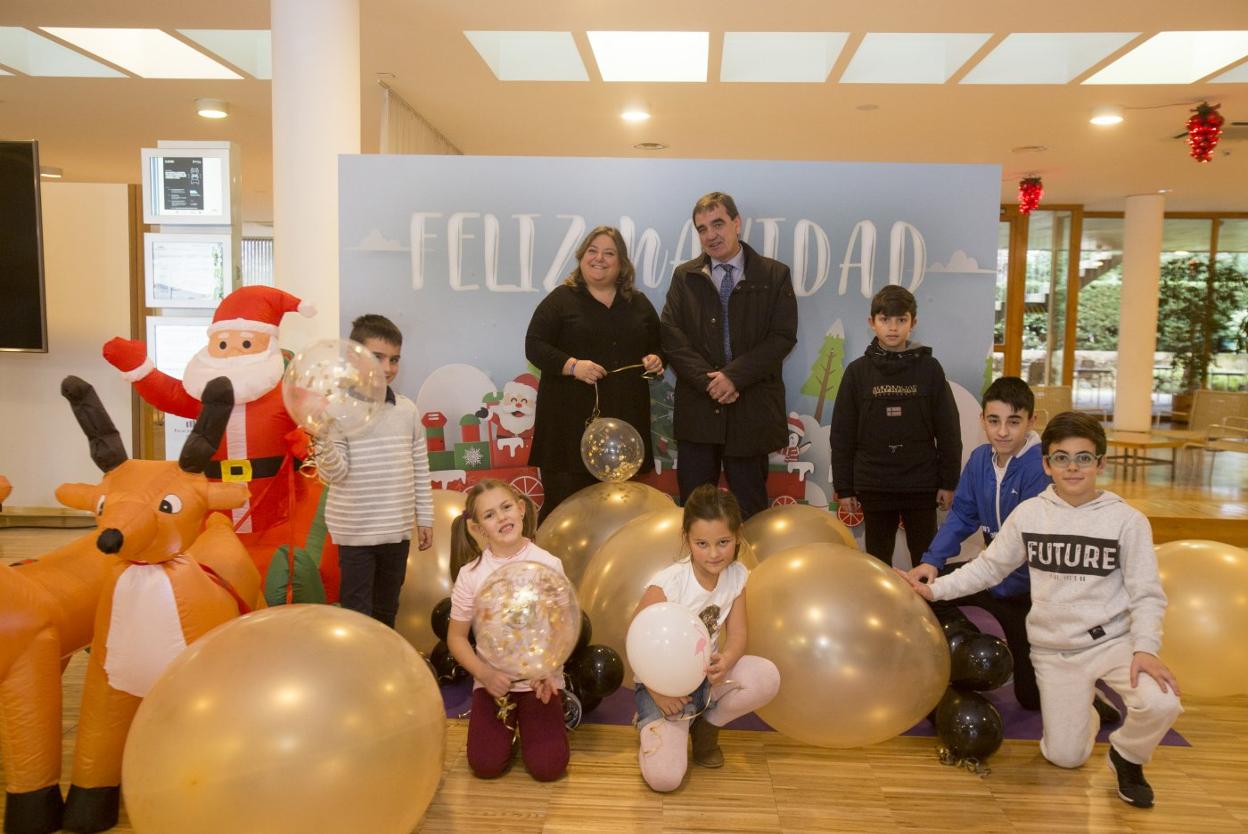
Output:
x=772 y=784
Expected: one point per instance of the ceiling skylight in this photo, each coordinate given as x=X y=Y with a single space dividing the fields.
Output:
x=1045 y=58
x=530 y=56
x=148 y=53
x=910 y=58
x=36 y=55
x=1175 y=58
x=248 y=49
x=780 y=56
x=1239 y=75
x=651 y=56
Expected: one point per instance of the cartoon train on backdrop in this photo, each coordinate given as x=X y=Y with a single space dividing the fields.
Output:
x=495 y=440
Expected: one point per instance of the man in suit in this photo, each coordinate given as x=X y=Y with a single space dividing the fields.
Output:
x=729 y=321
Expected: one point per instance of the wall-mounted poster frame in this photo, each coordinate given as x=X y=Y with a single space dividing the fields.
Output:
x=186 y=270
x=187 y=185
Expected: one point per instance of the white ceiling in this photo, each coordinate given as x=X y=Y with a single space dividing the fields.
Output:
x=93 y=127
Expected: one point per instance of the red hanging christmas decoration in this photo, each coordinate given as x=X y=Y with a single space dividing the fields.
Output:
x=1030 y=190
x=1203 y=131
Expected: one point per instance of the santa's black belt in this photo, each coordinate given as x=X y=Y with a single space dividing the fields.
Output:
x=244 y=469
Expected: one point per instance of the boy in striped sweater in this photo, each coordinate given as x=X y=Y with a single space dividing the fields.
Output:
x=378 y=486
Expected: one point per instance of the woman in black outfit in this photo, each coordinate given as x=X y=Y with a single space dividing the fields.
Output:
x=592 y=324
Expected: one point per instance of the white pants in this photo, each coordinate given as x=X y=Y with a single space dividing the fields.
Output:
x=1067 y=681
x=663 y=755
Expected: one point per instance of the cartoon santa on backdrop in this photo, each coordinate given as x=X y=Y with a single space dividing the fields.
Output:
x=261 y=436
x=511 y=419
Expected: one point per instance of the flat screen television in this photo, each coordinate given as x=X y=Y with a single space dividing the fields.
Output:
x=23 y=312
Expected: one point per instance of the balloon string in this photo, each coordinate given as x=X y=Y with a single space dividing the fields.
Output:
x=646 y=375
x=505 y=708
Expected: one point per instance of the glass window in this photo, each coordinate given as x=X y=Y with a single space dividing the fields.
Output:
x=1044 y=310
x=1100 y=295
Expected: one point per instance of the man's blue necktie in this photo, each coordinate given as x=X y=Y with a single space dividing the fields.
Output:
x=725 y=290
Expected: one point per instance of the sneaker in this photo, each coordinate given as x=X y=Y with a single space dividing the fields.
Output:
x=1133 y=788
x=1105 y=708
x=705 y=736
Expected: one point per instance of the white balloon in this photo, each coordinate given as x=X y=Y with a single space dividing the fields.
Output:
x=668 y=647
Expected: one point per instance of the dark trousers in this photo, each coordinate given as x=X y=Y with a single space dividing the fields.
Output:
x=700 y=463
x=558 y=487
x=881 y=532
x=1011 y=613
x=543 y=736
x=372 y=576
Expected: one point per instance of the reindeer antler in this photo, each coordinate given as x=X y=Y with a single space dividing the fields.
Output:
x=218 y=400
x=107 y=450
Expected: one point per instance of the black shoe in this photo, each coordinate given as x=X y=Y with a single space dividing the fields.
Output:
x=1108 y=713
x=1133 y=788
x=705 y=736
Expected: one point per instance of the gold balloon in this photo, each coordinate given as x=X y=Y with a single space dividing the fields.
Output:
x=790 y=525
x=428 y=579
x=619 y=570
x=612 y=449
x=861 y=656
x=526 y=620
x=292 y=719
x=1206 y=584
x=581 y=524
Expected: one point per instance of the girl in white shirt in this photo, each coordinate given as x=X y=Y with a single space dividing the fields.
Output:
x=501 y=518
x=710 y=582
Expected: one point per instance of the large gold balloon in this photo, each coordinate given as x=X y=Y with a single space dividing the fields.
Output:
x=618 y=572
x=428 y=579
x=1206 y=584
x=790 y=525
x=582 y=523
x=861 y=656
x=293 y=719
x=611 y=449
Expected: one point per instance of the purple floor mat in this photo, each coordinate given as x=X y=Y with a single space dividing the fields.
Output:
x=1020 y=724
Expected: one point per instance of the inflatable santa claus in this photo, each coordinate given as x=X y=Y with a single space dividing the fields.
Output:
x=259 y=438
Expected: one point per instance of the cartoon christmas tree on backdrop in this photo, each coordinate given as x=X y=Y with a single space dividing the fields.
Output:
x=825 y=374
x=662 y=397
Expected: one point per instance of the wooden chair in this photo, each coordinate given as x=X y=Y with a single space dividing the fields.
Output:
x=1051 y=400
x=1218 y=422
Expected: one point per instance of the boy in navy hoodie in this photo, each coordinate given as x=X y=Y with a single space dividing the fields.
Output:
x=1097 y=606
x=896 y=441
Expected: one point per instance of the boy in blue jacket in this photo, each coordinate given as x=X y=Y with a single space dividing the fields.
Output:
x=1000 y=475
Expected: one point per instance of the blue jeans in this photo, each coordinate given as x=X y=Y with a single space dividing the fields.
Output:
x=648 y=711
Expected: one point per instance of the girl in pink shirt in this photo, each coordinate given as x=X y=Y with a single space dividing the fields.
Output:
x=502 y=520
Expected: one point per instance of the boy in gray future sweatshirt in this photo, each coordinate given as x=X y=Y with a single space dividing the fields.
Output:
x=1097 y=606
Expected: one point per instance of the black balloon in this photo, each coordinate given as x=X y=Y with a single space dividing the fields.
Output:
x=440 y=618
x=969 y=725
x=980 y=662
x=954 y=623
x=445 y=667
x=573 y=712
x=587 y=702
x=587 y=632
x=599 y=670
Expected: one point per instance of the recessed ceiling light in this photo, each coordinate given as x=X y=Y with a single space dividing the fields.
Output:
x=785 y=57
x=212 y=108
x=50 y=173
x=1030 y=149
x=635 y=115
x=248 y=49
x=36 y=55
x=867 y=108
x=1109 y=114
x=910 y=58
x=651 y=56
x=529 y=56
x=1164 y=190
x=650 y=146
x=148 y=53
x=1175 y=58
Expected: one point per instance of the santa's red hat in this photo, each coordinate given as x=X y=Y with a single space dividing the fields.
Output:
x=258 y=309
x=795 y=424
x=525 y=380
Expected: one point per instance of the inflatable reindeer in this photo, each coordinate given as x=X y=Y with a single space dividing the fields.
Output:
x=153 y=581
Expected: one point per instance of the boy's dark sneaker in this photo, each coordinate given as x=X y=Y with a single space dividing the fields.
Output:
x=1133 y=788
x=1105 y=708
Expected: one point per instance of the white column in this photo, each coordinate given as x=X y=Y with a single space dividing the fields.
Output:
x=316 y=117
x=1137 y=328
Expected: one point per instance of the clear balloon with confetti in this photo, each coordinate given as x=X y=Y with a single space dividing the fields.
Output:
x=335 y=385
x=526 y=620
x=612 y=449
